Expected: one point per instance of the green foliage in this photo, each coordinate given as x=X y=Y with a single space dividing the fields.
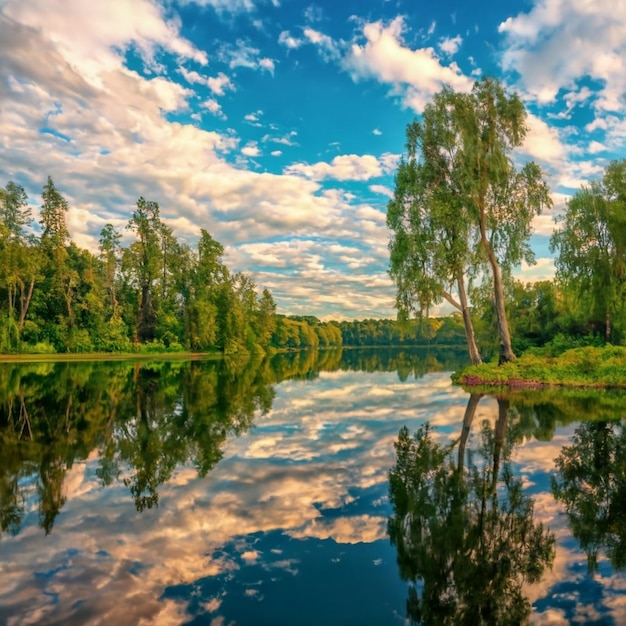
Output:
x=461 y=206
x=41 y=347
x=591 y=248
x=591 y=483
x=156 y=294
x=142 y=419
x=585 y=366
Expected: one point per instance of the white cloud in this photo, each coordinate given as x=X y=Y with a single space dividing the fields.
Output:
x=343 y=167
x=377 y=132
x=327 y=46
x=542 y=142
x=289 y=41
x=214 y=107
x=559 y=42
x=219 y=84
x=381 y=189
x=543 y=269
x=286 y=140
x=417 y=74
x=251 y=149
x=232 y=6
x=242 y=54
x=267 y=64
x=595 y=147
x=101 y=31
x=276 y=153
x=191 y=76
x=450 y=45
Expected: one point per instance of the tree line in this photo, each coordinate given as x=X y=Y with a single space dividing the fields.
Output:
x=461 y=219
x=154 y=294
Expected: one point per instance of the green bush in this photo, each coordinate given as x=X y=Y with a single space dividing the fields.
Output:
x=41 y=347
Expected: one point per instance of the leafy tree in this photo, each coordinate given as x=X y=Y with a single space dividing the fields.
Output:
x=61 y=279
x=467 y=204
x=56 y=296
x=591 y=483
x=19 y=260
x=502 y=200
x=144 y=260
x=208 y=274
x=266 y=317
x=15 y=213
x=109 y=246
x=430 y=251
x=591 y=246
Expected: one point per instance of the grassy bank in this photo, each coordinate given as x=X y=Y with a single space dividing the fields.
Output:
x=106 y=356
x=579 y=367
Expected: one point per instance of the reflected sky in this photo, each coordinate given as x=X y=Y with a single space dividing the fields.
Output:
x=289 y=527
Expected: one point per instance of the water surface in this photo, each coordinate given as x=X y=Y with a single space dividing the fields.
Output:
x=204 y=493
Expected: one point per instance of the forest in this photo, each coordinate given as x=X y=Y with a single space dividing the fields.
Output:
x=460 y=223
x=158 y=294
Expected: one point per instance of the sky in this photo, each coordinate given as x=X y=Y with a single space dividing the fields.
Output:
x=277 y=125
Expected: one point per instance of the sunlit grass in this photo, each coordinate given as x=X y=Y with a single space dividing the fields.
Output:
x=578 y=367
x=105 y=356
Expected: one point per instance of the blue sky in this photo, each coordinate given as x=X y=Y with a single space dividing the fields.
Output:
x=277 y=125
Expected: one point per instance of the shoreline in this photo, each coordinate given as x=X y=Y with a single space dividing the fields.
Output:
x=588 y=367
x=108 y=356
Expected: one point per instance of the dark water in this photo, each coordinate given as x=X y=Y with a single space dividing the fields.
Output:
x=217 y=493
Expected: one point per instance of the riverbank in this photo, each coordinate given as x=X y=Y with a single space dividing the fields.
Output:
x=109 y=356
x=578 y=367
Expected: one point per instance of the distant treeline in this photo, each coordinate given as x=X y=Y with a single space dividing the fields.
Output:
x=309 y=332
x=545 y=313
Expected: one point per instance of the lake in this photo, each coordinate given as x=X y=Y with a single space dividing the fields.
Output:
x=219 y=493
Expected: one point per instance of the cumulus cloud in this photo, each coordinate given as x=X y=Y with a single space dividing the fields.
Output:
x=416 y=74
x=345 y=167
x=542 y=142
x=214 y=107
x=559 y=42
x=100 y=31
x=289 y=41
x=219 y=84
x=251 y=149
x=328 y=47
x=267 y=64
x=242 y=54
x=450 y=45
x=381 y=189
x=543 y=269
x=232 y=6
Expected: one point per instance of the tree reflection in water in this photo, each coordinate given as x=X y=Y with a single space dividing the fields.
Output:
x=591 y=483
x=144 y=419
x=464 y=529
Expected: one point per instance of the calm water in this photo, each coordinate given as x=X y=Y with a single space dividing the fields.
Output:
x=203 y=493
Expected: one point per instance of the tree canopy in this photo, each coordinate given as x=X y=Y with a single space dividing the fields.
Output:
x=461 y=206
x=591 y=246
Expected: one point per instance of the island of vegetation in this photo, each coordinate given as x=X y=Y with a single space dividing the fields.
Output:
x=460 y=222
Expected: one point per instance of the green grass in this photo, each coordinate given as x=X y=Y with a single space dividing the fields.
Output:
x=106 y=356
x=578 y=367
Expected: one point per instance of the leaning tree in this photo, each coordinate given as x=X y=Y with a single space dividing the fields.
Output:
x=461 y=205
